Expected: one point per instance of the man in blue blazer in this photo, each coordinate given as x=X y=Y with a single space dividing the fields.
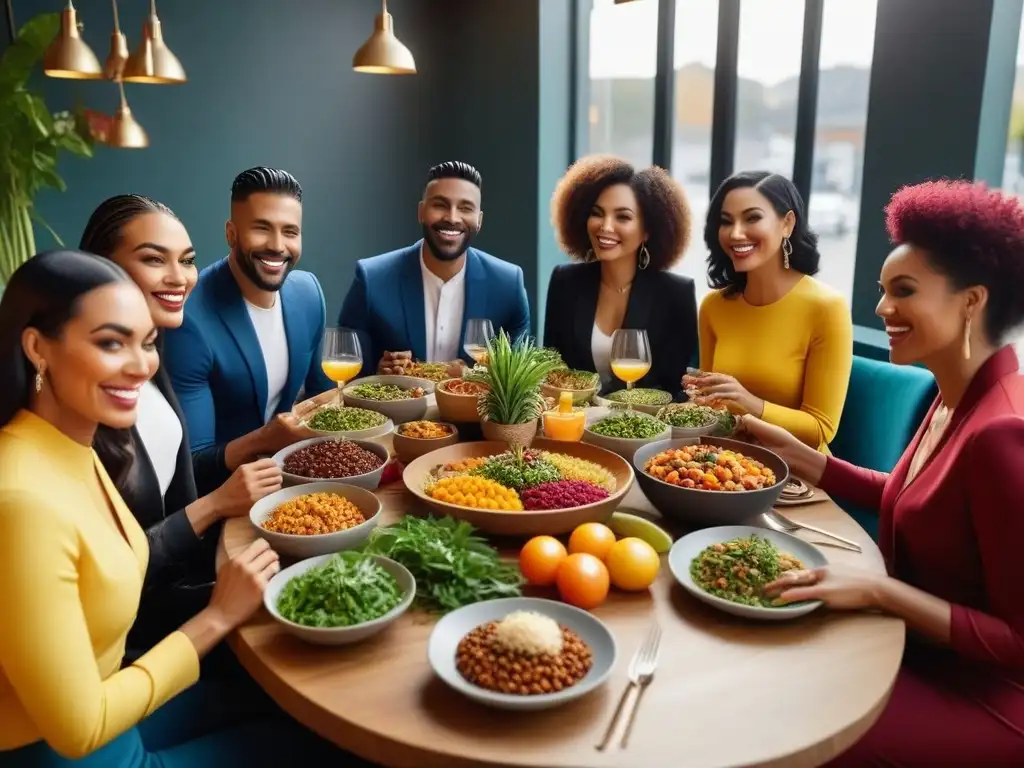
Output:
x=250 y=340
x=413 y=303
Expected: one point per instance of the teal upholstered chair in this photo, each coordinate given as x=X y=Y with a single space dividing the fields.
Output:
x=884 y=406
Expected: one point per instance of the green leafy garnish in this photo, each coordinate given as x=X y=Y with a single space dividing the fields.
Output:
x=351 y=588
x=452 y=565
x=518 y=469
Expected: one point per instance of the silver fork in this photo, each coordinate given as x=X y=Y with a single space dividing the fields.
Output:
x=782 y=522
x=641 y=672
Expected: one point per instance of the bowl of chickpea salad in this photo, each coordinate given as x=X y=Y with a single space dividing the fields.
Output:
x=315 y=518
x=417 y=438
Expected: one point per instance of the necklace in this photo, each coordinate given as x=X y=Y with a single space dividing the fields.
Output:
x=623 y=289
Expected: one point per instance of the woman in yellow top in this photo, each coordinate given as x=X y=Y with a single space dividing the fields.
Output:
x=774 y=342
x=76 y=338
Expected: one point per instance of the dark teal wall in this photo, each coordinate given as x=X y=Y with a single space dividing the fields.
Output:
x=275 y=87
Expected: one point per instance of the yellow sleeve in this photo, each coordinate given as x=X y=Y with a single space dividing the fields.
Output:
x=45 y=649
x=826 y=378
x=705 y=334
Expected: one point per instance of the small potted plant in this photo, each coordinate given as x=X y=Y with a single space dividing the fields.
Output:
x=511 y=407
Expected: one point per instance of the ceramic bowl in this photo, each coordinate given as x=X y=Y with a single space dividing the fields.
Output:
x=678 y=433
x=700 y=508
x=622 y=446
x=353 y=434
x=449 y=631
x=369 y=480
x=339 y=635
x=689 y=547
x=454 y=407
x=648 y=409
x=411 y=448
x=296 y=545
x=399 y=411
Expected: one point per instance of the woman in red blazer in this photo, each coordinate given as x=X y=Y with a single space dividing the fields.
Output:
x=951 y=516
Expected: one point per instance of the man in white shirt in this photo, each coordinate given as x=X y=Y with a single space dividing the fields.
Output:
x=442 y=282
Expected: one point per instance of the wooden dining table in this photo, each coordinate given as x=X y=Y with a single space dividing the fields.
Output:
x=727 y=691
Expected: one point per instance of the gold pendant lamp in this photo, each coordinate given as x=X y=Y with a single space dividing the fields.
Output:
x=124 y=132
x=113 y=67
x=68 y=55
x=152 y=61
x=383 y=53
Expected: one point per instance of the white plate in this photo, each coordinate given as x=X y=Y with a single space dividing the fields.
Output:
x=687 y=548
x=449 y=631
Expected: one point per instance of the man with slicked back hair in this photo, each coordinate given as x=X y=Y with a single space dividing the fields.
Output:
x=441 y=280
x=250 y=341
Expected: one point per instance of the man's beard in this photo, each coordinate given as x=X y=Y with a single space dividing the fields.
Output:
x=247 y=262
x=442 y=251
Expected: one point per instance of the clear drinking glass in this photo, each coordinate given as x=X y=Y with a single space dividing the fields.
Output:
x=631 y=355
x=341 y=358
x=479 y=331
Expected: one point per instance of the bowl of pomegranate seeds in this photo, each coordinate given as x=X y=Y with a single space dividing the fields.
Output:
x=549 y=488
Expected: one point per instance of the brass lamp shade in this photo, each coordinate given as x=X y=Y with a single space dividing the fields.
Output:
x=382 y=53
x=124 y=132
x=113 y=67
x=68 y=55
x=152 y=61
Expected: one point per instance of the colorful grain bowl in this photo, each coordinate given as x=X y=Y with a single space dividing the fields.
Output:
x=416 y=438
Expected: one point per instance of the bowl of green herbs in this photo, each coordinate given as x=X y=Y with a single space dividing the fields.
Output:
x=341 y=598
x=349 y=422
x=643 y=399
x=624 y=432
x=582 y=384
x=689 y=420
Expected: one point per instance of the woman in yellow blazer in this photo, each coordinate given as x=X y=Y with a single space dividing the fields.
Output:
x=77 y=338
x=774 y=342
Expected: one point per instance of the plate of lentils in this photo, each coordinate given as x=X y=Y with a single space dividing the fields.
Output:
x=357 y=462
x=350 y=422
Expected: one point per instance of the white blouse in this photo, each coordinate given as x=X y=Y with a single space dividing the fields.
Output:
x=161 y=433
x=601 y=350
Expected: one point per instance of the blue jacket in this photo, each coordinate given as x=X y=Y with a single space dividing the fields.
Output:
x=385 y=302
x=217 y=369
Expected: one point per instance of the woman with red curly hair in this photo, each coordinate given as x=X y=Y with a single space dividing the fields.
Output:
x=950 y=512
x=625 y=228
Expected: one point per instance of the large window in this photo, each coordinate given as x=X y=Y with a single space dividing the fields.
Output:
x=847 y=43
x=1013 y=170
x=623 y=60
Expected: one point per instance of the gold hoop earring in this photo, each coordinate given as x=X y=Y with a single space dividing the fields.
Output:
x=967 y=339
x=787 y=251
x=644 y=257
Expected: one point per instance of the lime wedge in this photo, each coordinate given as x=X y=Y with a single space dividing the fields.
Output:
x=624 y=525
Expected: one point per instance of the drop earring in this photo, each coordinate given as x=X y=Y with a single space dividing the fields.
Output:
x=787 y=251
x=39 y=380
x=644 y=258
x=967 y=339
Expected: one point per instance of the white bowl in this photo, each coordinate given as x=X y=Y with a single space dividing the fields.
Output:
x=624 y=447
x=339 y=635
x=449 y=631
x=651 y=410
x=353 y=434
x=406 y=382
x=687 y=548
x=399 y=411
x=296 y=545
x=368 y=480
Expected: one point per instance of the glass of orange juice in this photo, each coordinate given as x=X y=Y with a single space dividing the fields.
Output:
x=341 y=357
x=631 y=355
x=479 y=332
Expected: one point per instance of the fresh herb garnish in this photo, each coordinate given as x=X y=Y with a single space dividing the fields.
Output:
x=349 y=589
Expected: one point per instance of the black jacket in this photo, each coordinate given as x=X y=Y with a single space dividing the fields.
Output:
x=662 y=303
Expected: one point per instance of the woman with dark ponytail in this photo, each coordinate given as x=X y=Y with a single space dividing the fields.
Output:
x=151 y=462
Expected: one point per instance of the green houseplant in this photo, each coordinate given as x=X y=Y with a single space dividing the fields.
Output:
x=513 y=403
x=32 y=138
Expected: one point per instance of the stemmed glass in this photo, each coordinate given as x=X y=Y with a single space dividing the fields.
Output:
x=479 y=331
x=631 y=356
x=341 y=357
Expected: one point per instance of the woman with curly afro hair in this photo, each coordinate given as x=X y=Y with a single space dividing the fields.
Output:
x=624 y=228
x=774 y=342
x=950 y=521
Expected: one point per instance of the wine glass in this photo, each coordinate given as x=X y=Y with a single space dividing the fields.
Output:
x=631 y=356
x=341 y=357
x=479 y=331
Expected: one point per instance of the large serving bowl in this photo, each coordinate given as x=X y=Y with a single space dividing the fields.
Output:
x=338 y=635
x=369 y=480
x=399 y=411
x=411 y=448
x=449 y=631
x=527 y=522
x=700 y=508
x=690 y=546
x=369 y=433
x=405 y=382
x=296 y=545
x=624 y=447
x=455 y=407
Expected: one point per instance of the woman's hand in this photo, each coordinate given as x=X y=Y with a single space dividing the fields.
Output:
x=238 y=591
x=841 y=589
x=717 y=388
x=247 y=485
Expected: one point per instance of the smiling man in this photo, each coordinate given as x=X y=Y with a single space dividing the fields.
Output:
x=250 y=340
x=441 y=280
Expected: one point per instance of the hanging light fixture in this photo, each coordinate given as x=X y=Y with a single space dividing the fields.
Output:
x=152 y=61
x=113 y=67
x=382 y=53
x=124 y=132
x=68 y=55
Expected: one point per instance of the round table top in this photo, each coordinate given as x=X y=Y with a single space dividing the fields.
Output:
x=727 y=692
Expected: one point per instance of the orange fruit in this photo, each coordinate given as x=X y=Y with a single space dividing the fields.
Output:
x=632 y=564
x=540 y=558
x=593 y=538
x=582 y=581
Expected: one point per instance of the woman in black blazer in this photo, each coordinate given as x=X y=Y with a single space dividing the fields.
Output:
x=627 y=227
x=151 y=463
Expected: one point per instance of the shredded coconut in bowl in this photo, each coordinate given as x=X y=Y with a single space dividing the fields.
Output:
x=529 y=633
